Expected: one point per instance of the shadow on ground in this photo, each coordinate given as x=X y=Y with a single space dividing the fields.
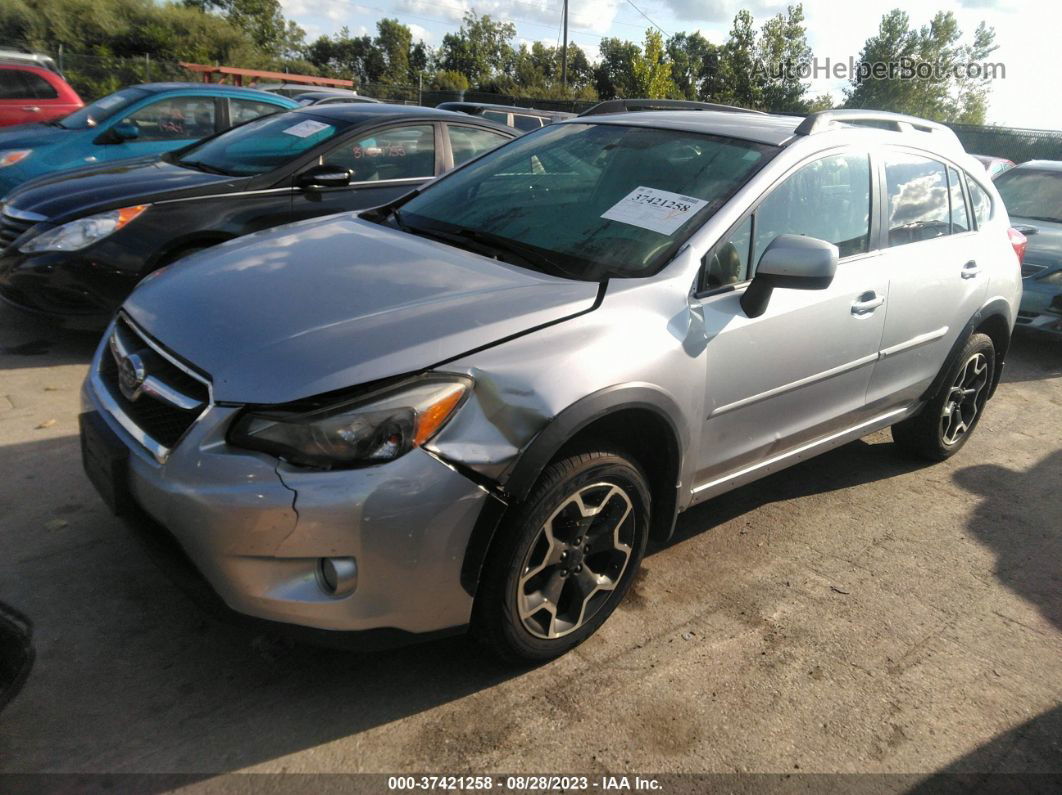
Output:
x=1033 y=357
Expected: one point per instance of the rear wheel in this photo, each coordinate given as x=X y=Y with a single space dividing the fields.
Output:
x=564 y=561
x=943 y=426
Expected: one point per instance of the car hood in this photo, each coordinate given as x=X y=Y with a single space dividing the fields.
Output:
x=34 y=136
x=1045 y=244
x=335 y=302
x=95 y=188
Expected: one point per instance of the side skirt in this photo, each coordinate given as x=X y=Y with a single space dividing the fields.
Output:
x=713 y=488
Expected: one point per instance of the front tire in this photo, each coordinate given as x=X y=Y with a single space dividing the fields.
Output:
x=564 y=560
x=945 y=423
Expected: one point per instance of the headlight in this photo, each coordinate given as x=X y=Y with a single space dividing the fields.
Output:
x=8 y=157
x=84 y=231
x=372 y=429
x=1051 y=278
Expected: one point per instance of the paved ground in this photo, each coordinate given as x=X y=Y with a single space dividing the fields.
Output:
x=858 y=613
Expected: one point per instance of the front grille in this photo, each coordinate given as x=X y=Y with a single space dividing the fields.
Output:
x=11 y=228
x=168 y=399
x=1029 y=269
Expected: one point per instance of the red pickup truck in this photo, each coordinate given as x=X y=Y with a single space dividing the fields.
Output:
x=33 y=93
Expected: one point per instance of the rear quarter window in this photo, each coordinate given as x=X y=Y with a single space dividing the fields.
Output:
x=982 y=204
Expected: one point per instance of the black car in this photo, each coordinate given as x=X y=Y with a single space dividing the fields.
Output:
x=73 y=245
x=523 y=119
x=330 y=97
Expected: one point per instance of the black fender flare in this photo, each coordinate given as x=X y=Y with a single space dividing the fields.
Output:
x=552 y=438
x=997 y=307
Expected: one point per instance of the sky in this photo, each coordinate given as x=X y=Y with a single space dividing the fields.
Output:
x=1026 y=32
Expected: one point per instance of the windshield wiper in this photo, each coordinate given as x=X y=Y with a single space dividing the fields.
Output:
x=204 y=168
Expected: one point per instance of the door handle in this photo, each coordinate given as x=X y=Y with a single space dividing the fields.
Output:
x=31 y=108
x=970 y=270
x=867 y=303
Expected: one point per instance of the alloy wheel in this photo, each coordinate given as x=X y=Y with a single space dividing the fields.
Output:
x=965 y=399
x=577 y=560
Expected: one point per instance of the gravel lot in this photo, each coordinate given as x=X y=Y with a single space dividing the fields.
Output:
x=858 y=613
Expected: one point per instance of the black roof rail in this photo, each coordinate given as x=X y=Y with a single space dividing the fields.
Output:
x=828 y=119
x=625 y=105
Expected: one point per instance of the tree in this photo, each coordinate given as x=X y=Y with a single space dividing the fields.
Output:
x=918 y=71
x=344 y=56
x=614 y=75
x=445 y=80
x=394 y=41
x=737 y=80
x=651 y=72
x=262 y=20
x=480 y=50
x=694 y=61
x=782 y=53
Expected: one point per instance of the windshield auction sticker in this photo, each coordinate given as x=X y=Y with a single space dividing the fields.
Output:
x=656 y=210
x=304 y=129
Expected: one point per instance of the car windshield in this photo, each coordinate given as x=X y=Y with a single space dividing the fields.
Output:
x=102 y=109
x=1032 y=193
x=587 y=201
x=262 y=145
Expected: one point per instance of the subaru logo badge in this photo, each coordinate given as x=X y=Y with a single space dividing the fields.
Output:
x=131 y=375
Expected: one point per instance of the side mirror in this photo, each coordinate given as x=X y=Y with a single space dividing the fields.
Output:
x=323 y=177
x=793 y=261
x=125 y=132
x=118 y=134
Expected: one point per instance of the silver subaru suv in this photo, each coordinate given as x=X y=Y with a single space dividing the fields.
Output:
x=472 y=408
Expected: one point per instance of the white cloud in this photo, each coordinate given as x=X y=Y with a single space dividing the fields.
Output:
x=723 y=10
x=421 y=33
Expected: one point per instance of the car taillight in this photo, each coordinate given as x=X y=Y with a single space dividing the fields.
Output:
x=1019 y=241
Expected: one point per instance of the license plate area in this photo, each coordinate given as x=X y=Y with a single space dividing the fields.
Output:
x=106 y=462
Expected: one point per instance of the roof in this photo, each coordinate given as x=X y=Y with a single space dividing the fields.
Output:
x=466 y=106
x=203 y=88
x=758 y=127
x=1042 y=165
x=358 y=112
x=239 y=73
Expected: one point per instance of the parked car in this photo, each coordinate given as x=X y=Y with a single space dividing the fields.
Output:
x=34 y=94
x=994 y=165
x=1032 y=193
x=140 y=120
x=524 y=119
x=73 y=245
x=474 y=405
x=335 y=96
x=9 y=55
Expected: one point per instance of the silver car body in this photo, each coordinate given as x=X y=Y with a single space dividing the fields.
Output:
x=727 y=398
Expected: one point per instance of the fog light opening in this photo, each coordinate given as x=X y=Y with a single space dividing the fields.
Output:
x=337 y=576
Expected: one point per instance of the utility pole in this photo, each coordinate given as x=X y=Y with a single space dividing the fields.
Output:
x=564 y=52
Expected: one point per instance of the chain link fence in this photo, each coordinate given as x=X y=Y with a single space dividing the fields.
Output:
x=1013 y=143
x=95 y=76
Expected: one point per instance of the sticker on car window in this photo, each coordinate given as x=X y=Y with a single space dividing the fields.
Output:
x=304 y=129
x=656 y=210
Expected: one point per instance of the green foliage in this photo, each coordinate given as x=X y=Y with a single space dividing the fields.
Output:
x=480 y=50
x=783 y=48
x=614 y=76
x=944 y=94
x=651 y=71
x=448 y=80
x=694 y=64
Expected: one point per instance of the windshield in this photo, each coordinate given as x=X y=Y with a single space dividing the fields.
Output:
x=101 y=109
x=1032 y=193
x=588 y=201
x=262 y=145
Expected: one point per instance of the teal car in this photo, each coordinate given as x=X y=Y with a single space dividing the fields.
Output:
x=139 y=121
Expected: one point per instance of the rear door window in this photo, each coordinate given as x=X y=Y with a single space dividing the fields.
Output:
x=39 y=87
x=982 y=205
x=496 y=115
x=526 y=123
x=960 y=216
x=468 y=142
x=916 y=199
x=241 y=110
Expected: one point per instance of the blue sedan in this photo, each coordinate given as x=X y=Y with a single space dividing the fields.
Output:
x=138 y=121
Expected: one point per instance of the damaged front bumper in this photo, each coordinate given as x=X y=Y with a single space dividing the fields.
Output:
x=257 y=529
